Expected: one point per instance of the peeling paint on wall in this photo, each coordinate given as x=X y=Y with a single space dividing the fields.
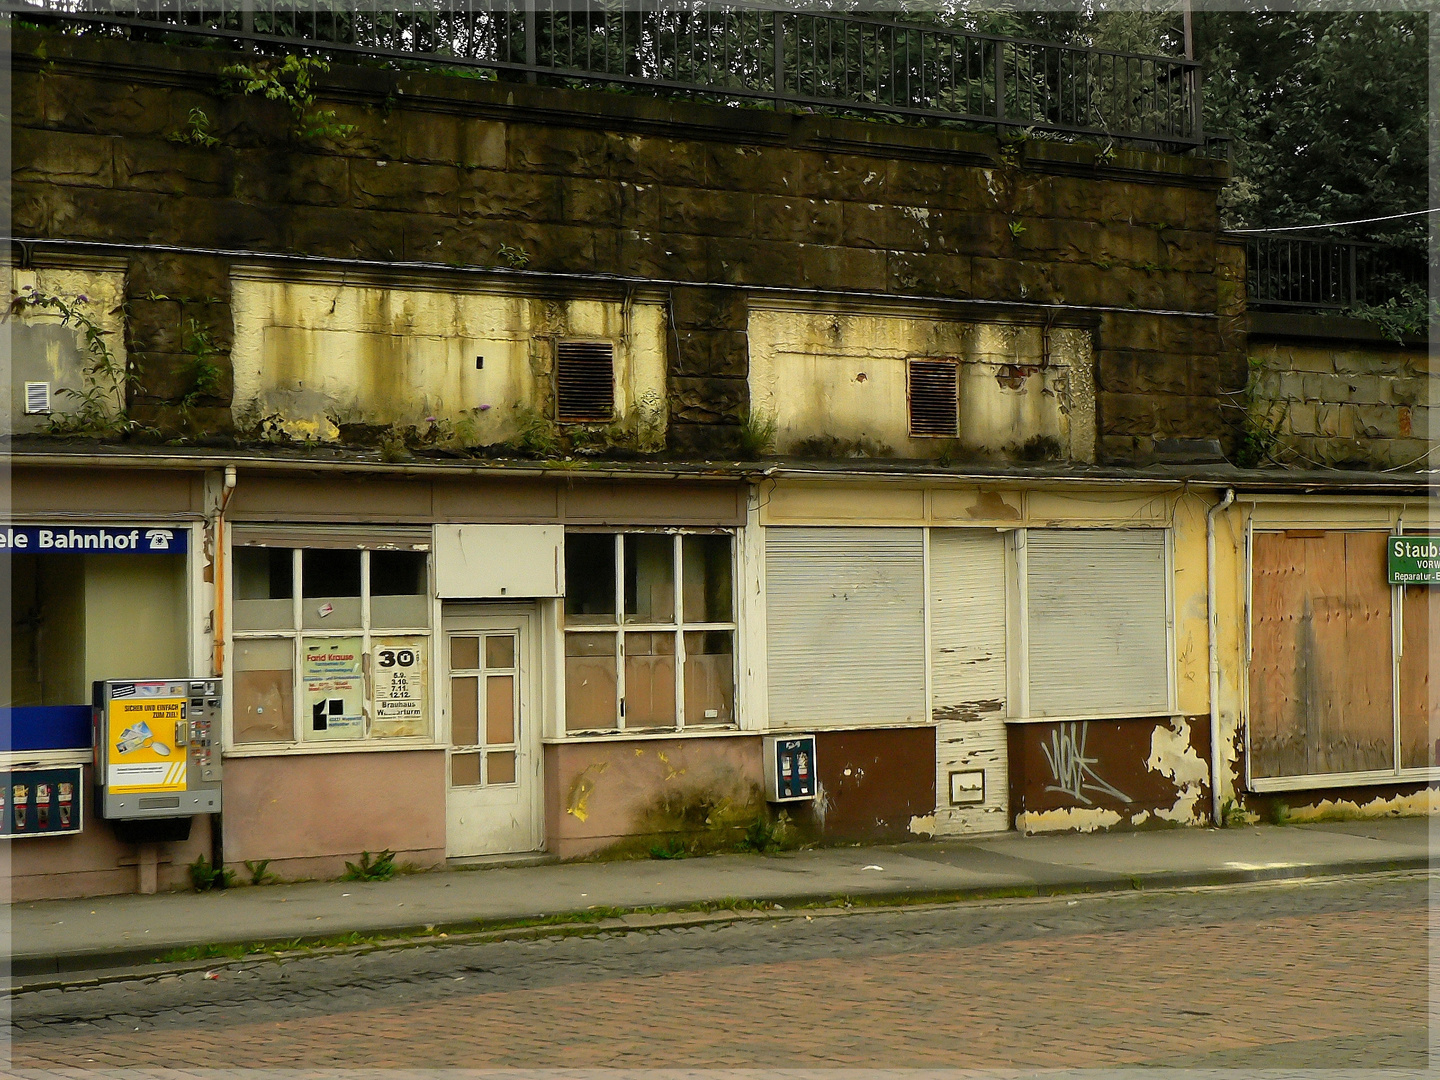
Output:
x=1066 y=819
x=578 y=798
x=923 y=826
x=1172 y=755
x=1416 y=804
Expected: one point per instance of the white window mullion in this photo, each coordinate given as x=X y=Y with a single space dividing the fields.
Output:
x=367 y=678
x=620 y=630
x=297 y=641
x=679 y=617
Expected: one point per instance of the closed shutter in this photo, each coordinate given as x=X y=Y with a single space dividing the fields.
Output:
x=1097 y=621
x=967 y=673
x=845 y=619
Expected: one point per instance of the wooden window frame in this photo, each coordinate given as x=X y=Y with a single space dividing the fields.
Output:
x=679 y=625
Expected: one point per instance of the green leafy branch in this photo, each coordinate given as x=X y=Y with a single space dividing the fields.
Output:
x=290 y=82
x=196 y=132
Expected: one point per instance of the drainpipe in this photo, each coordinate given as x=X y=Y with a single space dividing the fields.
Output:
x=217 y=827
x=1210 y=516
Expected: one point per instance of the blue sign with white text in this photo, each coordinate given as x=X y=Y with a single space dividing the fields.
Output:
x=65 y=539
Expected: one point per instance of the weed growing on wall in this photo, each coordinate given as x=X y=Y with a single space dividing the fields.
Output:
x=379 y=867
x=289 y=82
x=757 y=434
x=101 y=398
x=196 y=131
x=204 y=877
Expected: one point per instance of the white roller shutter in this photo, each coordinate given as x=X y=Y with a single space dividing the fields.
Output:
x=845 y=620
x=1099 y=639
x=967 y=674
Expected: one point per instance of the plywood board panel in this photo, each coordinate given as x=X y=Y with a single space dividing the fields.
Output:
x=1320 y=671
x=1419 y=709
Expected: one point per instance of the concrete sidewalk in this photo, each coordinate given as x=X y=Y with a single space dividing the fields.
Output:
x=59 y=936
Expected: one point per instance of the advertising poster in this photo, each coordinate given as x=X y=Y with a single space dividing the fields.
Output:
x=144 y=755
x=398 y=669
x=334 y=690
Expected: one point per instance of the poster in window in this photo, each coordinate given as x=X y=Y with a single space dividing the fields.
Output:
x=333 y=689
x=398 y=671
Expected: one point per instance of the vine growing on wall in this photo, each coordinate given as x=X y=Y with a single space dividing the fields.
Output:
x=100 y=400
x=290 y=82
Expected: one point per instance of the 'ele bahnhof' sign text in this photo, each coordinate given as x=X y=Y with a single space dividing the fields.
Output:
x=66 y=539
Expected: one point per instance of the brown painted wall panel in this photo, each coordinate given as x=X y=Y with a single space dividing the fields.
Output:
x=874 y=783
x=673 y=502
x=133 y=493
x=1106 y=765
x=330 y=498
x=1320 y=672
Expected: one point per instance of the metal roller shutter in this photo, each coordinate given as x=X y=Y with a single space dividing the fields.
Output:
x=846 y=626
x=1098 y=628
x=967 y=673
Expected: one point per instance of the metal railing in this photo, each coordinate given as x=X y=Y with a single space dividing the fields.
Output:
x=734 y=51
x=1318 y=274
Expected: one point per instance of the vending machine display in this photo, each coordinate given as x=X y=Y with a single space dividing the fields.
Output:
x=789 y=768
x=157 y=752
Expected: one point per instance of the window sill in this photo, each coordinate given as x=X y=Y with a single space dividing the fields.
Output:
x=1139 y=714
x=291 y=749
x=1262 y=784
x=25 y=759
x=648 y=736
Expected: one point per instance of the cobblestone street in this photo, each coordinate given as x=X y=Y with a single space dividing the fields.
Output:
x=1322 y=974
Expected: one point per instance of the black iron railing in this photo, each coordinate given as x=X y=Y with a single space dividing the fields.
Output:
x=733 y=50
x=1319 y=274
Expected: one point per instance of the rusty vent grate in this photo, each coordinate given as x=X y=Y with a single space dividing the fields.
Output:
x=934 y=397
x=585 y=381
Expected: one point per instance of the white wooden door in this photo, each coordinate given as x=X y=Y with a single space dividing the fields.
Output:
x=493 y=805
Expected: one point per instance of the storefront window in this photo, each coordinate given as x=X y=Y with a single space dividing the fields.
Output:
x=664 y=660
x=330 y=645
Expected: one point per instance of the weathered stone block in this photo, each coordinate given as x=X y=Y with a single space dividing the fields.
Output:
x=489 y=195
x=752 y=169
x=102 y=105
x=482 y=144
x=842 y=268
x=568 y=151
x=709 y=309
x=662 y=255
x=1334 y=421
x=707 y=400
x=1119 y=331
x=324 y=230
x=1300 y=419
x=707 y=213
x=806 y=221
x=62 y=157
x=704 y=440
x=668 y=161
x=753 y=262
x=176 y=275
x=1377 y=421
x=843 y=177
x=169 y=169
x=1126 y=414
x=720 y=353
x=400 y=185
x=431 y=138
x=591 y=202
x=929 y=275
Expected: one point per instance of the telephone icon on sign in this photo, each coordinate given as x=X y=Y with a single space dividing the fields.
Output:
x=159 y=539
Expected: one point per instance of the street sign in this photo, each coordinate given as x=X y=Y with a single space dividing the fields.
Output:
x=1414 y=560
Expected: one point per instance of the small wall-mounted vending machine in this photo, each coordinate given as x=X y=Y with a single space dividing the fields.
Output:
x=157 y=748
x=789 y=768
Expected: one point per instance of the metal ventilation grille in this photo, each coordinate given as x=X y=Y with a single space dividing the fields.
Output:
x=934 y=397
x=585 y=381
x=37 y=397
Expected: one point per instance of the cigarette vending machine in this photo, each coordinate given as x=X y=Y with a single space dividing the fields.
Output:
x=157 y=748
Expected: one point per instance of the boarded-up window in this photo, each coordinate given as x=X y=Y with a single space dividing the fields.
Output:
x=934 y=398
x=845 y=618
x=1099 y=640
x=1419 y=709
x=584 y=381
x=1321 y=662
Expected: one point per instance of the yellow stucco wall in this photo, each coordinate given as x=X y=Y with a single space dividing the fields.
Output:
x=843 y=376
x=47 y=349
x=326 y=352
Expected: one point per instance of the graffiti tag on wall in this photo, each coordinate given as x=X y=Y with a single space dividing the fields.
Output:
x=1073 y=772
